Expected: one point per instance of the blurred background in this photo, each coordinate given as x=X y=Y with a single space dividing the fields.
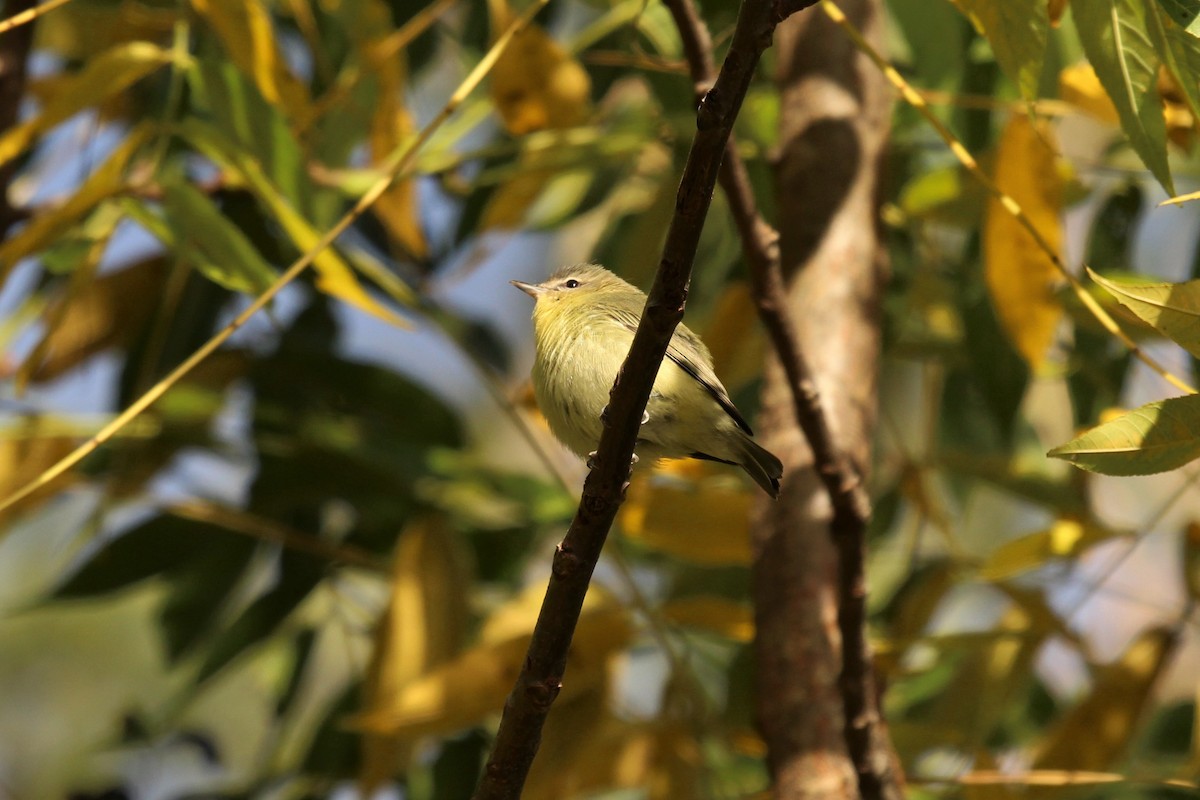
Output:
x=310 y=570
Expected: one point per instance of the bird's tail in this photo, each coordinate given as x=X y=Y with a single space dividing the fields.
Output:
x=761 y=465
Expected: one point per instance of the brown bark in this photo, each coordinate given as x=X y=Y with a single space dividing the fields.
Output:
x=834 y=121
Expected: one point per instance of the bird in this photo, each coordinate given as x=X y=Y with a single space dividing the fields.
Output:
x=584 y=319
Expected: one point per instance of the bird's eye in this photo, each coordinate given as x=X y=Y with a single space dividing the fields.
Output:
x=571 y=284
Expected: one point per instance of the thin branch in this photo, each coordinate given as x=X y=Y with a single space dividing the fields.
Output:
x=849 y=499
x=25 y=12
x=575 y=558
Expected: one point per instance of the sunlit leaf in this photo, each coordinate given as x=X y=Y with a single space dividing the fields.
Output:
x=245 y=28
x=703 y=520
x=1017 y=31
x=1171 y=308
x=1184 y=13
x=1115 y=38
x=1019 y=274
x=421 y=628
x=334 y=275
x=536 y=84
x=1153 y=438
x=104 y=76
x=1094 y=734
x=1080 y=86
x=51 y=223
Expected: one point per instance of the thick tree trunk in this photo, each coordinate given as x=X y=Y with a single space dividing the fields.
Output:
x=834 y=121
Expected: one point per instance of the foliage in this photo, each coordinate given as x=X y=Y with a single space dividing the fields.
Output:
x=318 y=557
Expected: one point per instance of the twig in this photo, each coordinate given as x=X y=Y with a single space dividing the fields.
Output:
x=15 y=43
x=851 y=505
x=575 y=558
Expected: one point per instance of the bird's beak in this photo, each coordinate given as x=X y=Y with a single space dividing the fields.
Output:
x=528 y=288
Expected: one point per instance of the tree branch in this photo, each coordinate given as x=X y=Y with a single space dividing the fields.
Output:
x=847 y=495
x=14 y=54
x=575 y=558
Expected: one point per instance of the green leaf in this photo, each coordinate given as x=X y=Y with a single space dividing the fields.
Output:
x=213 y=244
x=1064 y=539
x=334 y=275
x=1185 y=14
x=1115 y=37
x=1172 y=308
x=1180 y=54
x=1017 y=31
x=1154 y=438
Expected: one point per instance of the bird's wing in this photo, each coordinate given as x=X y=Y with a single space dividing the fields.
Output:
x=700 y=369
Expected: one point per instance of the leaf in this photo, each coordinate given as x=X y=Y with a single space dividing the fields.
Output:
x=334 y=276
x=244 y=26
x=1019 y=274
x=107 y=74
x=1184 y=13
x=1173 y=309
x=1096 y=732
x=704 y=520
x=1153 y=438
x=1180 y=54
x=1017 y=31
x=535 y=84
x=391 y=125
x=110 y=312
x=473 y=685
x=1064 y=539
x=726 y=617
x=421 y=628
x=27 y=448
x=212 y=243
x=1080 y=86
x=49 y=224
x=1114 y=35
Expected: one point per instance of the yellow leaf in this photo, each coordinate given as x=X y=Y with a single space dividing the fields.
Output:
x=79 y=31
x=1063 y=539
x=730 y=619
x=102 y=77
x=25 y=452
x=110 y=312
x=421 y=628
x=464 y=690
x=391 y=125
x=244 y=27
x=1079 y=86
x=736 y=337
x=1096 y=732
x=1020 y=276
x=49 y=224
x=704 y=520
x=536 y=84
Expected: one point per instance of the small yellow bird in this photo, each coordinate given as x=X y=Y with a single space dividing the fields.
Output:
x=583 y=324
